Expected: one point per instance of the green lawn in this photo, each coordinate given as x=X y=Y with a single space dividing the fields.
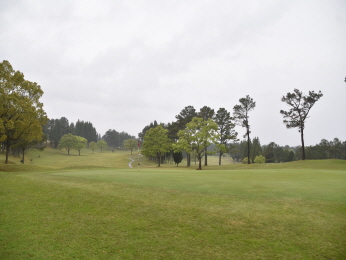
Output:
x=94 y=207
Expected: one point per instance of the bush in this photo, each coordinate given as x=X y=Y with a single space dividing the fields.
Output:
x=260 y=159
x=245 y=161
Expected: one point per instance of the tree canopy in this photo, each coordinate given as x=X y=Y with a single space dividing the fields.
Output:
x=156 y=142
x=226 y=130
x=68 y=142
x=130 y=144
x=101 y=144
x=21 y=111
x=197 y=135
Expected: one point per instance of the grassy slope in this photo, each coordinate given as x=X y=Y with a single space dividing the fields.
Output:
x=273 y=211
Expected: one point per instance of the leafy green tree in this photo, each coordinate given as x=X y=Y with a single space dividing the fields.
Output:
x=21 y=112
x=81 y=143
x=300 y=106
x=92 y=146
x=68 y=142
x=225 y=130
x=156 y=143
x=130 y=144
x=178 y=157
x=101 y=144
x=197 y=135
x=206 y=113
x=185 y=116
x=241 y=113
x=145 y=129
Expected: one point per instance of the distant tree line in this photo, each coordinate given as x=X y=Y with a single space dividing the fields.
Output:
x=193 y=132
x=115 y=139
x=335 y=149
x=272 y=152
x=57 y=128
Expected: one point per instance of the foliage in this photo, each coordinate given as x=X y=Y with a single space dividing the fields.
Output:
x=256 y=149
x=56 y=129
x=260 y=159
x=185 y=116
x=335 y=149
x=197 y=135
x=156 y=143
x=177 y=157
x=86 y=130
x=226 y=130
x=300 y=106
x=115 y=139
x=241 y=113
x=68 y=142
x=208 y=113
x=245 y=160
x=80 y=143
x=92 y=146
x=145 y=129
x=101 y=144
x=21 y=111
x=130 y=144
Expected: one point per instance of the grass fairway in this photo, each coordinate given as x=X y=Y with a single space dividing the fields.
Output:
x=74 y=208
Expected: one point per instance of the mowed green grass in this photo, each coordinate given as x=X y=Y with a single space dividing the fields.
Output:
x=67 y=209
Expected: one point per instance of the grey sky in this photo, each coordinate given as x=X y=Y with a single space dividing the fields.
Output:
x=124 y=64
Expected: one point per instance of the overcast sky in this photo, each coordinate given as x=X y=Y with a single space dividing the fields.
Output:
x=124 y=64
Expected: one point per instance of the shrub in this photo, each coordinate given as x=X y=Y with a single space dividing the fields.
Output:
x=245 y=160
x=260 y=159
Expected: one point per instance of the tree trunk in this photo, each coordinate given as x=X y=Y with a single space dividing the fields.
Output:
x=248 y=146
x=303 y=147
x=199 y=162
x=23 y=152
x=8 y=144
x=158 y=159
x=220 y=155
x=205 y=157
x=188 y=159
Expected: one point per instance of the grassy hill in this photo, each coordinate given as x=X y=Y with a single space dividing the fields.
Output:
x=94 y=206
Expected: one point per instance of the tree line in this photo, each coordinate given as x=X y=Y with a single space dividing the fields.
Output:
x=193 y=132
